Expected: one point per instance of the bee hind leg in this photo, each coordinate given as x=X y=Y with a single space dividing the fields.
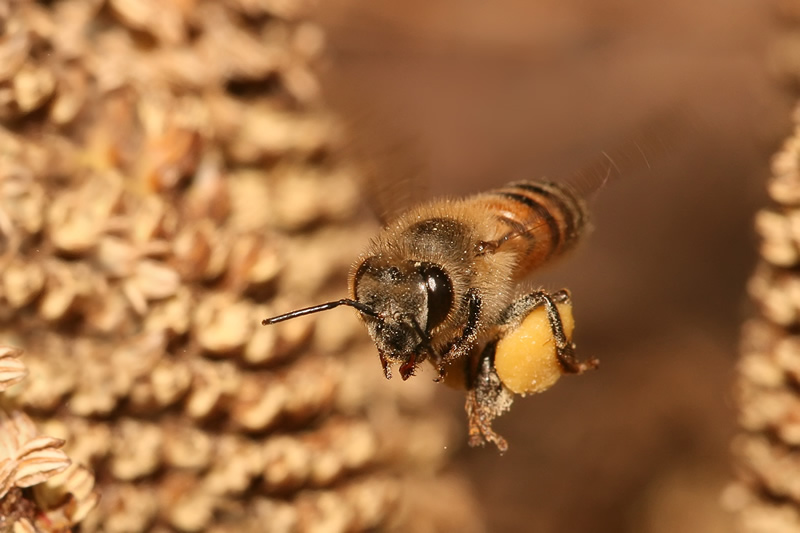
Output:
x=487 y=399
x=565 y=349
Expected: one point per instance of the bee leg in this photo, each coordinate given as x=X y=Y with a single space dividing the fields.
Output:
x=565 y=350
x=566 y=355
x=407 y=369
x=490 y=247
x=387 y=368
x=462 y=346
x=487 y=399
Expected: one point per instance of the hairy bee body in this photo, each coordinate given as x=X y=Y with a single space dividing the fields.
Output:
x=483 y=244
x=439 y=283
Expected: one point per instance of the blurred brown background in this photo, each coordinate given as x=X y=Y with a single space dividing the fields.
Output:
x=474 y=94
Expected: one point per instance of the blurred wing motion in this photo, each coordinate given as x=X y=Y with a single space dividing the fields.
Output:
x=455 y=108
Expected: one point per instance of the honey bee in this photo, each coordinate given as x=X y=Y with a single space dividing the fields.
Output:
x=440 y=283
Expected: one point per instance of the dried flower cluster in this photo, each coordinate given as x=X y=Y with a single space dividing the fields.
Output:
x=62 y=491
x=767 y=494
x=166 y=182
x=767 y=497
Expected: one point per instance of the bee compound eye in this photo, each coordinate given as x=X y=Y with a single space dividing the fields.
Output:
x=440 y=294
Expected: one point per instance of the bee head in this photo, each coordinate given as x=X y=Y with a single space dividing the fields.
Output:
x=401 y=303
x=409 y=300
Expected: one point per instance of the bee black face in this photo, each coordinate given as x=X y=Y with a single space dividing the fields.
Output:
x=409 y=299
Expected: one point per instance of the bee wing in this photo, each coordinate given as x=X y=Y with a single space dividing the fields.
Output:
x=367 y=54
x=640 y=153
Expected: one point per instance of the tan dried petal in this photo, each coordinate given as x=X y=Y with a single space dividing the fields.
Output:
x=292 y=336
x=22 y=282
x=192 y=511
x=253 y=263
x=778 y=245
x=173 y=315
x=88 y=441
x=130 y=507
x=8 y=104
x=259 y=403
x=9 y=352
x=155 y=280
x=152 y=220
x=222 y=323
x=69 y=287
x=71 y=226
x=12 y=369
x=171 y=158
x=55 y=377
x=36 y=457
x=72 y=90
x=76 y=219
x=187 y=506
x=262 y=345
x=163 y=20
x=287 y=463
x=115 y=256
x=8 y=471
x=23 y=201
x=138 y=357
x=167 y=383
x=16 y=430
x=208 y=198
x=212 y=384
x=135 y=449
x=302 y=83
x=14 y=48
x=33 y=85
x=171 y=380
x=312 y=386
x=188 y=448
x=200 y=252
x=135 y=297
x=784 y=187
x=61 y=292
x=40 y=465
x=109 y=314
x=24 y=525
x=68 y=496
x=237 y=462
x=80 y=484
x=242 y=53
x=250 y=195
x=38 y=444
x=265 y=132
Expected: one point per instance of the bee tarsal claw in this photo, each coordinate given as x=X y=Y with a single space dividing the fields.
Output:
x=408 y=369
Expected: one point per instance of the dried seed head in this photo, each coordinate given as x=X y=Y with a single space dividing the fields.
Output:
x=139 y=250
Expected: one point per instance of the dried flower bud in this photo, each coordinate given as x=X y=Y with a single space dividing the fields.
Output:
x=135 y=449
x=223 y=324
x=12 y=369
x=14 y=48
x=33 y=85
x=32 y=458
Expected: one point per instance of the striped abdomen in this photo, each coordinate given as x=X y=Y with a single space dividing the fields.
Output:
x=541 y=220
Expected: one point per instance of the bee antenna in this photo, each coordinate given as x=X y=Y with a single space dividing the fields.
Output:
x=365 y=309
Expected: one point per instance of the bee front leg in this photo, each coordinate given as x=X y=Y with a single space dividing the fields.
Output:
x=462 y=346
x=565 y=350
x=487 y=399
